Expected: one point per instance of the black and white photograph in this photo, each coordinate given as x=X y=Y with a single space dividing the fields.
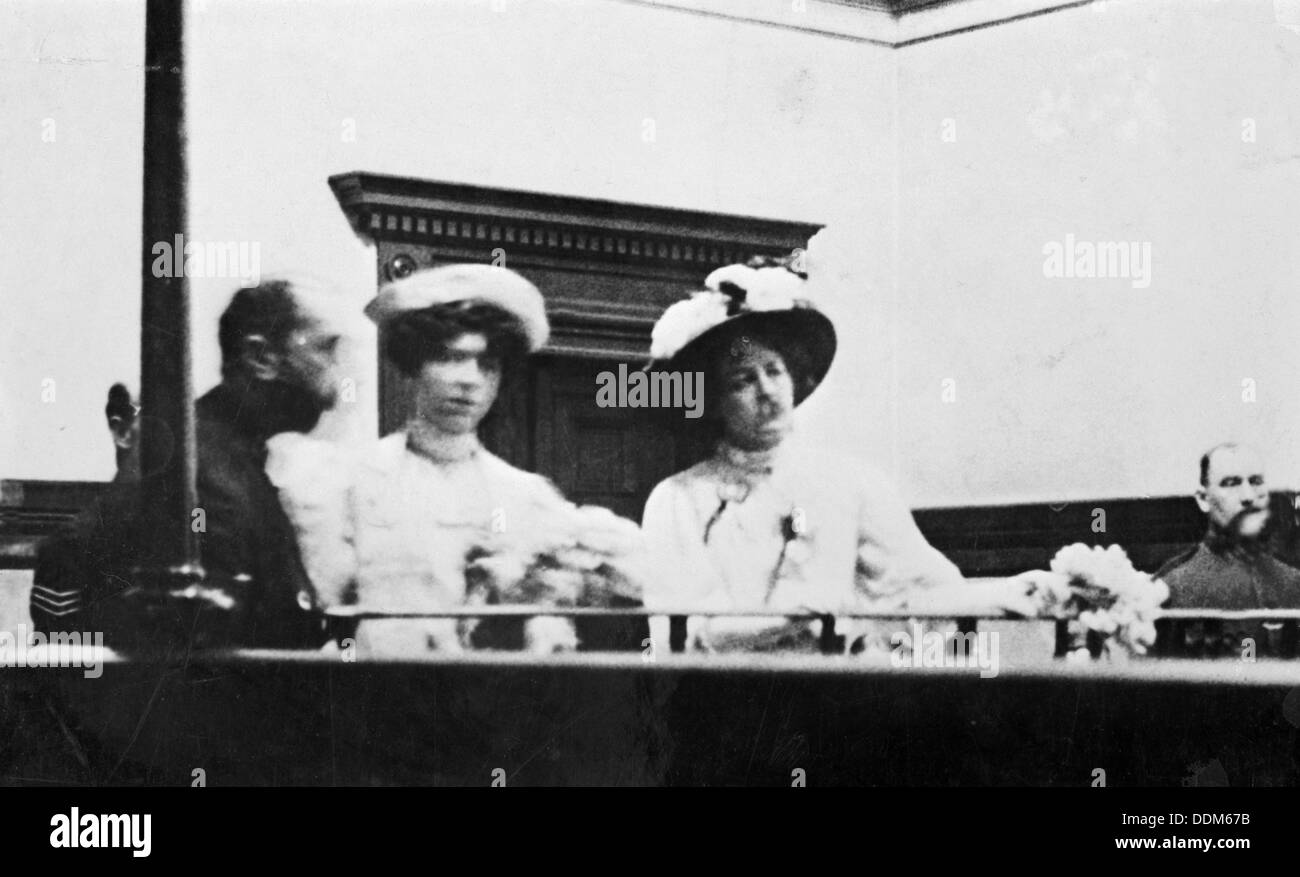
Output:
x=642 y=393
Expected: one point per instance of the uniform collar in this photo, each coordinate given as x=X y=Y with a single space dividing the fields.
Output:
x=1247 y=550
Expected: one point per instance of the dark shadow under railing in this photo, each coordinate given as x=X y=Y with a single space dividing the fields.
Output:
x=1196 y=633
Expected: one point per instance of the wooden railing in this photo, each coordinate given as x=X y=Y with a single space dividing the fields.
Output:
x=1170 y=622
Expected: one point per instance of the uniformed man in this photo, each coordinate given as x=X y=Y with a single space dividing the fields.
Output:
x=278 y=351
x=98 y=539
x=1232 y=567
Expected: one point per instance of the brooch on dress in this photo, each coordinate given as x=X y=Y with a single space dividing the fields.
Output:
x=728 y=491
x=795 y=545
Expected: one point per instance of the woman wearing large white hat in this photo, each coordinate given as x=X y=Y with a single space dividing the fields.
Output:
x=773 y=521
x=428 y=519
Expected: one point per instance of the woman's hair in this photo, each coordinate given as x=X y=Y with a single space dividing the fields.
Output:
x=414 y=338
x=710 y=356
x=731 y=343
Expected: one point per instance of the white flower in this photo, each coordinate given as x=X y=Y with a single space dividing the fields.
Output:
x=685 y=321
x=1159 y=592
x=547 y=635
x=740 y=275
x=1143 y=634
x=1099 y=620
x=578 y=558
x=561 y=587
x=1113 y=598
x=1075 y=561
x=1078 y=656
x=562 y=555
x=766 y=289
x=776 y=290
x=1124 y=613
x=503 y=571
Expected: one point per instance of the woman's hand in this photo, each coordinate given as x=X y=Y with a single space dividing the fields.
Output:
x=1018 y=595
x=1044 y=590
x=1021 y=594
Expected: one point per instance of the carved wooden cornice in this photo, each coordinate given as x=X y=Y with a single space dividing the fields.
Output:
x=540 y=228
x=607 y=269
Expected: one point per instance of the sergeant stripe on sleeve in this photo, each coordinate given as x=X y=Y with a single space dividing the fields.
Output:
x=56 y=603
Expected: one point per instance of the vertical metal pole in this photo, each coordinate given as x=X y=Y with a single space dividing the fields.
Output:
x=830 y=643
x=1062 y=638
x=167 y=453
x=677 y=633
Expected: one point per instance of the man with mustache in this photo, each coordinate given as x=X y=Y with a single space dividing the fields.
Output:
x=278 y=348
x=1232 y=568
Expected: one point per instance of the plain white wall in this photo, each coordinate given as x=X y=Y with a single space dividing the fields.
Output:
x=1121 y=121
x=70 y=192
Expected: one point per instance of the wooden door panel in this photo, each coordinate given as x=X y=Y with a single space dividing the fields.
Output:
x=604 y=456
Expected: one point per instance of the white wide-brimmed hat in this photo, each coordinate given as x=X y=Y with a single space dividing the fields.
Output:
x=762 y=297
x=446 y=284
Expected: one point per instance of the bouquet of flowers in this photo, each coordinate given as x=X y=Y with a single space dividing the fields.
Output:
x=1099 y=590
x=583 y=556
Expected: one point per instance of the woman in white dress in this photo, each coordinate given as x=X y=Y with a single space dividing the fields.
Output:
x=773 y=521
x=401 y=526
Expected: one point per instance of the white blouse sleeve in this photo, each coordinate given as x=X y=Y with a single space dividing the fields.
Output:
x=895 y=562
x=683 y=576
x=314 y=480
x=662 y=525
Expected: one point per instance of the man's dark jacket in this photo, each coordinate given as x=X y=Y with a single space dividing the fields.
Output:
x=1220 y=575
x=258 y=594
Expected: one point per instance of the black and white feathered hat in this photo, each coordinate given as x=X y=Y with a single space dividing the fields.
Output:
x=765 y=297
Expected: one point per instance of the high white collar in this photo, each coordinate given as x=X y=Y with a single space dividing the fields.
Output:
x=440 y=447
x=753 y=462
